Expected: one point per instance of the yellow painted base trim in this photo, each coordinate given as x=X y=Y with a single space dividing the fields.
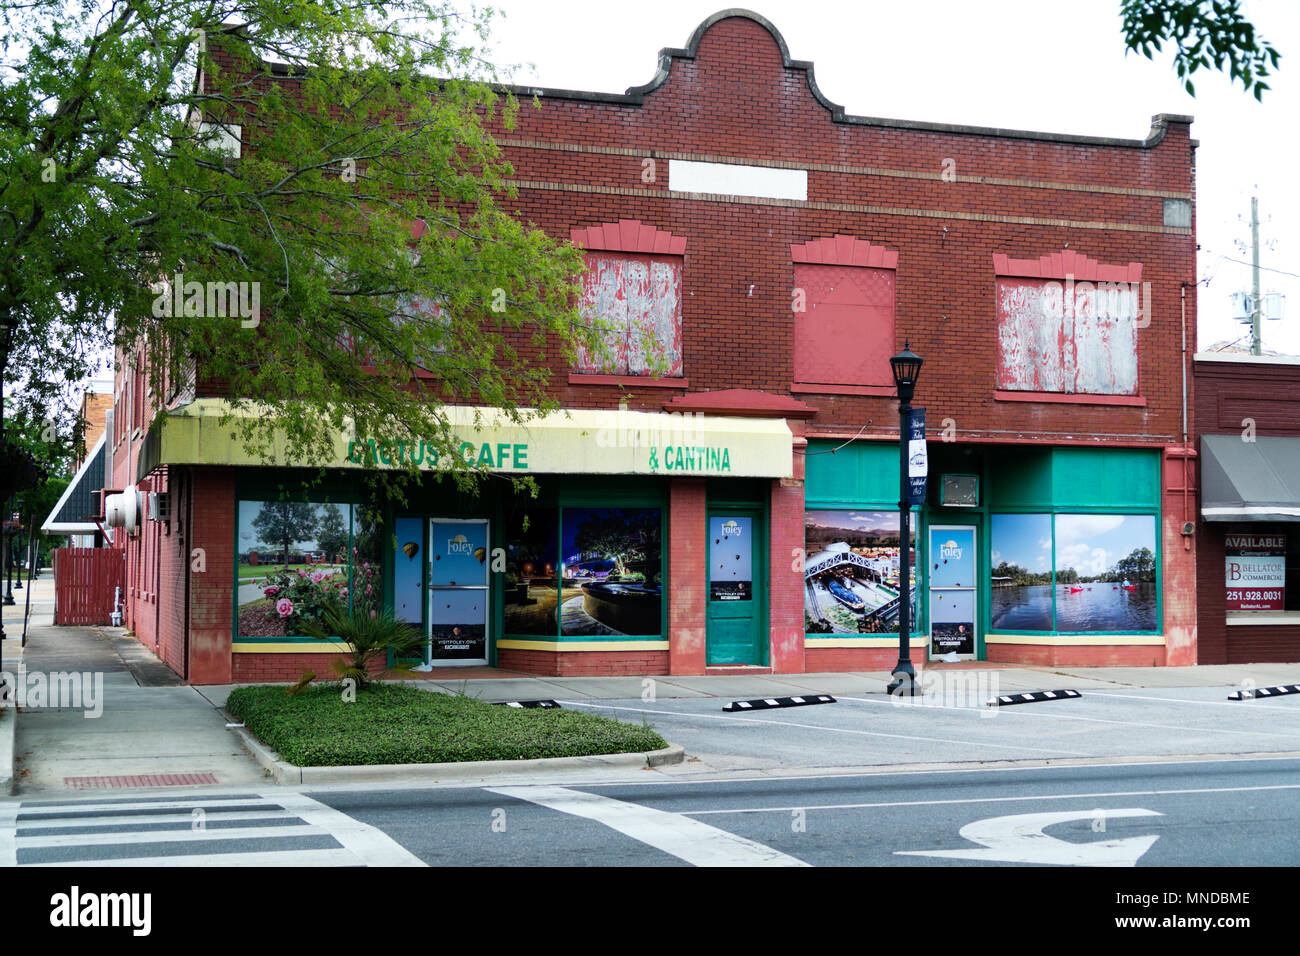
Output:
x=1075 y=640
x=288 y=647
x=812 y=643
x=513 y=645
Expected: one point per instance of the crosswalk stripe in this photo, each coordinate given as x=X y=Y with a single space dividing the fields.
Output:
x=32 y=828
x=45 y=809
x=211 y=816
x=371 y=844
x=295 y=858
x=166 y=836
x=684 y=838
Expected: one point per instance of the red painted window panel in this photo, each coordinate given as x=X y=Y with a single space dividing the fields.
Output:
x=639 y=299
x=1066 y=337
x=845 y=333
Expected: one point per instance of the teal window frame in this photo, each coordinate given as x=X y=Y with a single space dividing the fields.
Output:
x=578 y=492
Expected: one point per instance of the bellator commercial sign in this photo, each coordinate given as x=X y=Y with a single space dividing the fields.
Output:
x=1256 y=572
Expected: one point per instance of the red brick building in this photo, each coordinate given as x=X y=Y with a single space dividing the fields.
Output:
x=732 y=498
x=1248 y=563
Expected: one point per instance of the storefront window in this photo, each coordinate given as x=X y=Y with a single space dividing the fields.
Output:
x=611 y=572
x=1021 y=551
x=292 y=564
x=532 y=582
x=1261 y=569
x=851 y=572
x=1074 y=573
x=1105 y=573
x=368 y=543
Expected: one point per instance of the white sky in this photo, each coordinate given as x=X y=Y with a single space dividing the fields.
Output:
x=1026 y=65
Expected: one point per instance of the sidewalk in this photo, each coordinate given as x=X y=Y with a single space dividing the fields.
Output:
x=153 y=730
x=149 y=722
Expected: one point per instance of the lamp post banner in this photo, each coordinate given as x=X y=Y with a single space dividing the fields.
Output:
x=918 y=465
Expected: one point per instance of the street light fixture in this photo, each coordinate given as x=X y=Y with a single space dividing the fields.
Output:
x=906 y=366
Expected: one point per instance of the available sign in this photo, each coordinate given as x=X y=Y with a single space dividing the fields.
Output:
x=1255 y=567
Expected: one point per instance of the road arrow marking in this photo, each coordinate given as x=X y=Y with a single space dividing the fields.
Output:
x=1020 y=839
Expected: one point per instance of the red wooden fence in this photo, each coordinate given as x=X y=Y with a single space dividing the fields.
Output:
x=84 y=583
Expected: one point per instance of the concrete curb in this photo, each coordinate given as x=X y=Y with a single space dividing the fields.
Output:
x=8 y=730
x=284 y=772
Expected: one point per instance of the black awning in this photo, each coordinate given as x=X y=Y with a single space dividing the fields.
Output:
x=77 y=510
x=1250 y=480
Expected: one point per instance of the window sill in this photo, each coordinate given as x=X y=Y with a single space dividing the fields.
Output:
x=641 y=381
x=1263 y=617
x=887 y=391
x=1135 y=401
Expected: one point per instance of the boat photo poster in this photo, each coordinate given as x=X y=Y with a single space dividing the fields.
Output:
x=851 y=571
x=1096 y=572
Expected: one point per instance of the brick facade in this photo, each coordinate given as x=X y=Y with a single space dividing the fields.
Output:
x=1242 y=398
x=941 y=202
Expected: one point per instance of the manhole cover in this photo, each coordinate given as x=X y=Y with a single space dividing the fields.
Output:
x=139 y=780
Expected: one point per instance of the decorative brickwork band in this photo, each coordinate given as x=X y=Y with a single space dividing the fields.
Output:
x=1066 y=264
x=629 y=235
x=844 y=251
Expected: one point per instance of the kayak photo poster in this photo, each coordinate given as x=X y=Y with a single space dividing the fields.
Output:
x=1073 y=573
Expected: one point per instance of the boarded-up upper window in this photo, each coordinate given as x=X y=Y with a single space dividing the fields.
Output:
x=844 y=290
x=640 y=300
x=633 y=287
x=1067 y=331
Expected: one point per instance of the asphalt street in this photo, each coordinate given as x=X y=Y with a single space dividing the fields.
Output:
x=870 y=729
x=1202 y=813
x=1112 y=778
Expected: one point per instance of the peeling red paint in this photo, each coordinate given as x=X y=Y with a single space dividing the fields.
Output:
x=1071 y=337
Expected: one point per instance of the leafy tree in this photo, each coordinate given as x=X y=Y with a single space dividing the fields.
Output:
x=322 y=168
x=331 y=533
x=285 y=523
x=1204 y=32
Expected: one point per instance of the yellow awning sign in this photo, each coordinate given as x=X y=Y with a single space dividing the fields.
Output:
x=579 y=441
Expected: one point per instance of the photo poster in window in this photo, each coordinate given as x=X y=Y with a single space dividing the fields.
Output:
x=458 y=624
x=1255 y=569
x=731 y=559
x=610 y=572
x=952 y=622
x=1021 y=553
x=408 y=570
x=291 y=565
x=1105 y=576
x=851 y=572
x=532 y=594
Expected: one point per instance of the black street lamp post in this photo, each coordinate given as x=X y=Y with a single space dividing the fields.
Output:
x=907 y=368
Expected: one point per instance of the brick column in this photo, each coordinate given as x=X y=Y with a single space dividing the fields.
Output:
x=785 y=568
x=1177 y=559
x=211 y=589
x=688 y=547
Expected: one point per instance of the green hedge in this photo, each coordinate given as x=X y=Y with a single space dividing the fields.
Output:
x=392 y=723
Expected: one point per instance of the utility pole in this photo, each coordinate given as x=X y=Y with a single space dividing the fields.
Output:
x=1256 y=344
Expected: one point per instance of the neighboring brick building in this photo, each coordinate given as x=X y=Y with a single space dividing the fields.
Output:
x=1248 y=564
x=775 y=252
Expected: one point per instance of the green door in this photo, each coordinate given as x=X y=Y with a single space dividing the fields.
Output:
x=737 y=593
